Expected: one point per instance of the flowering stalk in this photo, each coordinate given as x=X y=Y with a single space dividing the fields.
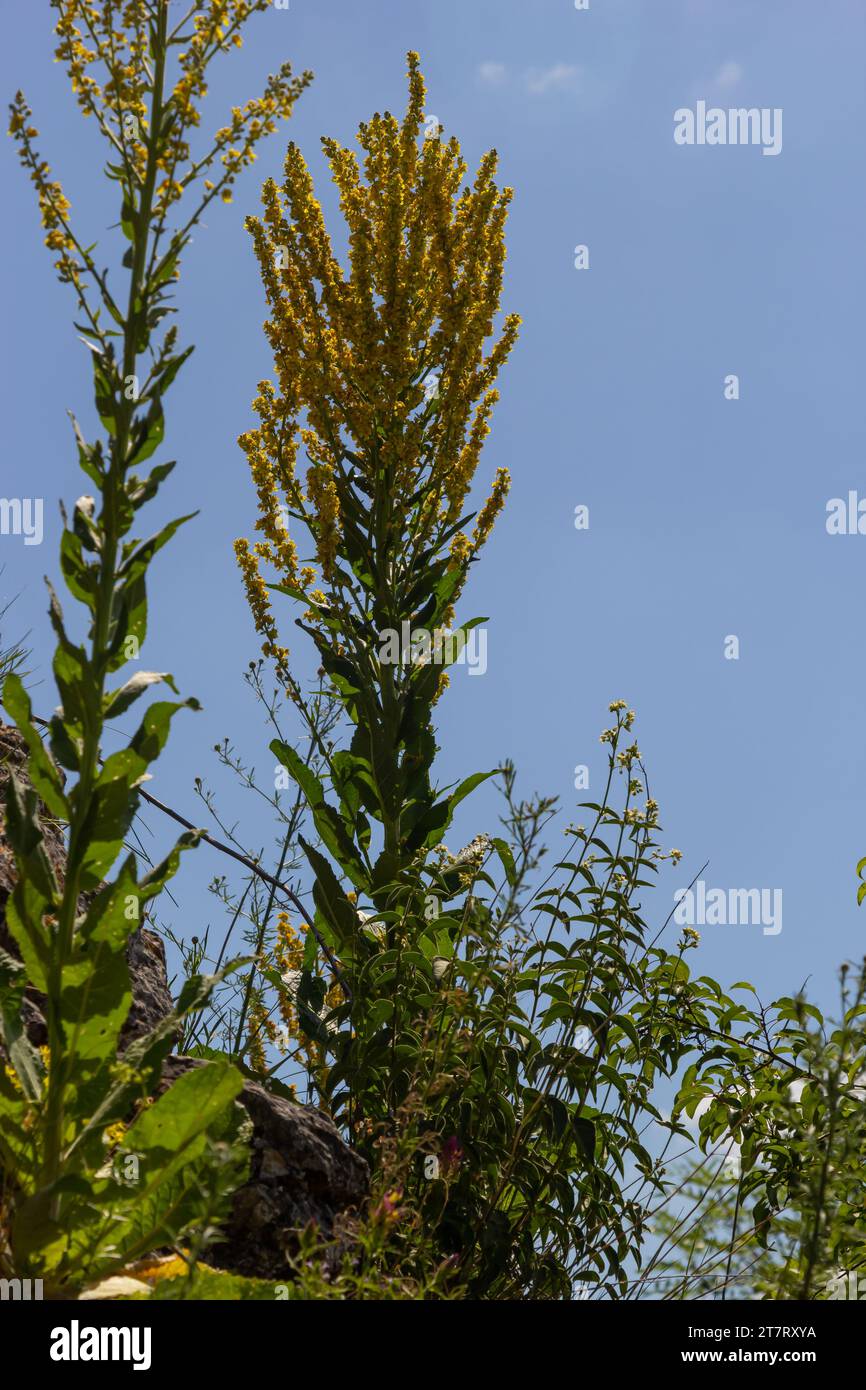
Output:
x=72 y=936
x=385 y=378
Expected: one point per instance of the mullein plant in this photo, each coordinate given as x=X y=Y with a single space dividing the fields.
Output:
x=386 y=377
x=492 y=1050
x=94 y=1174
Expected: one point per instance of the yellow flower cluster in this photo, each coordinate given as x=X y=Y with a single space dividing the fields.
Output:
x=628 y=756
x=356 y=346
x=73 y=51
x=288 y=957
x=119 y=39
x=113 y=38
x=54 y=206
x=322 y=492
x=278 y=546
x=113 y=1134
x=259 y=1028
x=460 y=549
x=260 y=605
x=217 y=27
x=153 y=1269
x=491 y=509
x=443 y=684
x=12 y=1077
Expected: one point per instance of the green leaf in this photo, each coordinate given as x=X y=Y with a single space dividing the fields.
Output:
x=327 y=819
x=136 y=563
x=119 y=701
x=89 y=455
x=82 y=576
x=75 y=682
x=168 y=371
x=295 y=765
x=24 y=834
x=44 y=773
x=506 y=859
x=127 y=220
x=105 y=394
x=139 y=490
x=310 y=1000
x=432 y=826
x=584 y=1133
x=163 y=1131
x=96 y=993
x=332 y=902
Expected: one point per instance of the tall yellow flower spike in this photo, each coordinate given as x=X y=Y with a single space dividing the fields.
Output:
x=384 y=369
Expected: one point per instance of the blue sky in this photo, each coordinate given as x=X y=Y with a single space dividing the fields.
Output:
x=707 y=516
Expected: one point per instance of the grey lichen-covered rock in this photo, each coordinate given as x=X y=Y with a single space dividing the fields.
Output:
x=301 y=1170
x=151 y=996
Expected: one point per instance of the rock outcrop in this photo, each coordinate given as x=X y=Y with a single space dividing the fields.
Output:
x=301 y=1169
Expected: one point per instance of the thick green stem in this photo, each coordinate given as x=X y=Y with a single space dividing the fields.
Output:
x=101 y=640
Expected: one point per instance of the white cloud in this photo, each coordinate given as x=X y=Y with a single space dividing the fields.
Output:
x=728 y=76
x=540 y=81
x=492 y=74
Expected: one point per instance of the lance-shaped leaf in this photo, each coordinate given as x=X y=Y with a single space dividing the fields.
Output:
x=141 y=490
x=96 y=993
x=115 y=795
x=119 y=701
x=147 y=434
x=327 y=819
x=144 y=1057
x=82 y=576
x=85 y=527
x=96 y=986
x=24 y=833
x=130 y=626
x=75 y=681
x=136 y=562
x=65 y=744
x=430 y=829
x=171 y=1141
x=44 y=773
x=106 y=392
x=353 y=779
x=89 y=455
x=338 y=912
x=167 y=372
x=25 y=909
